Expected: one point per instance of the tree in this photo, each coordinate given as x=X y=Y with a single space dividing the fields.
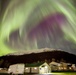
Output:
x=1 y=62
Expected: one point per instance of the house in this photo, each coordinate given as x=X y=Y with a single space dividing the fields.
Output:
x=16 y=69
x=73 y=67
x=3 y=70
x=54 y=66
x=64 y=66
x=58 y=66
x=38 y=68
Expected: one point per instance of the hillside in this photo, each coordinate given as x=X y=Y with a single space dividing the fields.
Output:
x=40 y=56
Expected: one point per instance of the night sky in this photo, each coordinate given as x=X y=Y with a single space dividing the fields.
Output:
x=27 y=25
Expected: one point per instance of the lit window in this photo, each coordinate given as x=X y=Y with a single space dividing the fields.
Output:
x=46 y=67
x=59 y=68
x=65 y=68
x=70 y=68
x=9 y=69
x=26 y=68
x=35 y=68
x=62 y=68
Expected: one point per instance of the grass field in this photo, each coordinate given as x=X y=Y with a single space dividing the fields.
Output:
x=64 y=73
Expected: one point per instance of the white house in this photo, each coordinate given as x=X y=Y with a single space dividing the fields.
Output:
x=38 y=68
x=16 y=69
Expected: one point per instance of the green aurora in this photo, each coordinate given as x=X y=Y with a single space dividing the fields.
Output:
x=18 y=13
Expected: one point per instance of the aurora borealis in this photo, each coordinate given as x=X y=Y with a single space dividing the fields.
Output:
x=35 y=24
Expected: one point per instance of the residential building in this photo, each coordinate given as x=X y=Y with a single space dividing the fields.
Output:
x=38 y=68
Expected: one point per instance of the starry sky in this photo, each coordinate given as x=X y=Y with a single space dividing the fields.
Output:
x=27 y=25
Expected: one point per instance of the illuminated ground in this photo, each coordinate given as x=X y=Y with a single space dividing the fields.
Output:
x=63 y=73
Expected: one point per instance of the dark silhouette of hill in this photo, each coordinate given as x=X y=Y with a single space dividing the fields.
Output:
x=34 y=57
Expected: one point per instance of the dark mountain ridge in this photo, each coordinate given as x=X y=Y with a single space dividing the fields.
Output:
x=35 y=57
